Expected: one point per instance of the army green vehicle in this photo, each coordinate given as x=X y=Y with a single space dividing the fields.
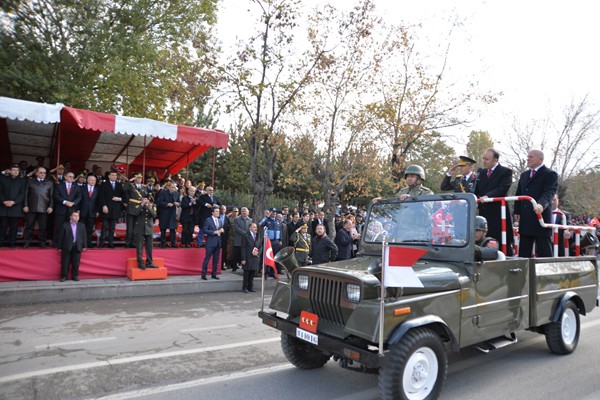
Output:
x=469 y=297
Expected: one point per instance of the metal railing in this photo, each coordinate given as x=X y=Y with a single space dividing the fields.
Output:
x=575 y=228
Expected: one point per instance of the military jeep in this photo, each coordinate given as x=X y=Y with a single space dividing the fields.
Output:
x=469 y=297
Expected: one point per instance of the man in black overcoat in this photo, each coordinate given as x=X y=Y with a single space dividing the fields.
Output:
x=67 y=196
x=494 y=180
x=111 y=203
x=12 y=198
x=541 y=183
x=251 y=245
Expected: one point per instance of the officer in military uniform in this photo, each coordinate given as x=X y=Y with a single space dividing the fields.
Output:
x=464 y=182
x=151 y=190
x=301 y=240
x=415 y=176
x=134 y=193
x=142 y=232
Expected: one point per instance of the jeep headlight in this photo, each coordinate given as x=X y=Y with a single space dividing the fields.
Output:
x=353 y=292
x=303 y=282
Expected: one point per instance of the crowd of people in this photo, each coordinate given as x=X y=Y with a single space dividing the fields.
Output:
x=50 y=198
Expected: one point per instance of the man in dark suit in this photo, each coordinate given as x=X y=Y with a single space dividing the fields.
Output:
x=12 y=198
x=541 y=183
x=168 y=201
x=494 y=180
x=465 y=179
x=251 y=245
x=89 y=206
x=111 y=199
x=189 y=210
x=213 y=230
x=319 y=220
x=71 y=242
x=322 y=249
x=343 y=241
x=67 y=196
x=205 y=203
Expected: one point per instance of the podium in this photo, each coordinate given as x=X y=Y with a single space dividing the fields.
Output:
x=136 y=274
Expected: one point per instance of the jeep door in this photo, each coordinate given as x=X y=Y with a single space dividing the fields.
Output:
x=502 y=296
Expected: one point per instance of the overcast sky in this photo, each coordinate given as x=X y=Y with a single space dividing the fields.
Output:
x=539 y=54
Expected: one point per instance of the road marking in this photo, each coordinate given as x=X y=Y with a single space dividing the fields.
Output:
x=116 y=361
x=134 y=394
x=209 y=328
x=45 y=346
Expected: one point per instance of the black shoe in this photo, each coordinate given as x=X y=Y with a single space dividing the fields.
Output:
x=244 y=291
x=152 y=266
x=203 y=278
x=141 y=266
x=251 y=290
x=63 y=279
x=215 y=277
x=76 y=279
x=26 y=245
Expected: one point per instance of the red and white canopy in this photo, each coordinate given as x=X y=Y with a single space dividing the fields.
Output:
x=83 y=136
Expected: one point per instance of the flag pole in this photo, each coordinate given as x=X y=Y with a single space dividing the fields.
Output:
x=384 y=247
x=262 y=275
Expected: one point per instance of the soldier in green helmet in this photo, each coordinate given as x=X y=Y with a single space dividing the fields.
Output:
x=415 y=176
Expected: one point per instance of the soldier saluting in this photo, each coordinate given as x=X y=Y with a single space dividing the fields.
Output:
x=142 y=232
x=464 y=181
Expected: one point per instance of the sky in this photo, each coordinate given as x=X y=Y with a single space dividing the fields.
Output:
x=538 y=54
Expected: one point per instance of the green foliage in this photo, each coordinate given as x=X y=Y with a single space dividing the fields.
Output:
x=479 y=142
x=138 y=57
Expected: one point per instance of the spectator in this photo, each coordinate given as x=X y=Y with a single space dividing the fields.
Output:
x=89 y=210
x=205 y=203
x=213 y=230
x=67 y=196
x=301 y=241
x=168 y=201
x=189 y=210
x=323 y=249
x=557 y=219
x=241 y=225
x=225 y=236
x=70 y=241
x=39 y=203
x=294 y=224
x=111 y=203
x=230 y=261
x=343 y=241
x=250 y=257
x=12 y=198
x=319 y=220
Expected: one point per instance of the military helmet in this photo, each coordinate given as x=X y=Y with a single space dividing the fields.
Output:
x=415 y=170
x=480 y=223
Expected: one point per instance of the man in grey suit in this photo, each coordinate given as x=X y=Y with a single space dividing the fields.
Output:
x=241 y=224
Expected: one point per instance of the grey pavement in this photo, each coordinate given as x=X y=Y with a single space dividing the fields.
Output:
x=31 y=292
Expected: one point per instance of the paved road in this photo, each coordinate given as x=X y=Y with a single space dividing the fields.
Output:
x=214 y=347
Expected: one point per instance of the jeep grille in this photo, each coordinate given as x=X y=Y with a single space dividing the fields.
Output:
x=325 y=298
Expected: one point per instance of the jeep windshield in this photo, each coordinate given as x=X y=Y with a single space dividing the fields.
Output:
x=434 y=222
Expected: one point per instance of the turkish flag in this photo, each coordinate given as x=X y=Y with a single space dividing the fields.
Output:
x=398 y=271
x=594 y=222
x=269 y=260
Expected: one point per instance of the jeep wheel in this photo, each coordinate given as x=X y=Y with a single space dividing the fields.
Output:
x=301 y=354
x=416 y=368
x=562 y=336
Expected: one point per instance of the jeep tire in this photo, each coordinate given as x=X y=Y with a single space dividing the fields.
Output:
x=416 y=368
x=562 y=336
x=301 y=354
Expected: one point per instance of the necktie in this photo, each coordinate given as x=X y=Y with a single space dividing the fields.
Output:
x=91 y=191
x=532 y=173
x=211 y=199
x=68 y=188
x=253 y=237
x=217 y=224
x=113 y=185
x=489 y=172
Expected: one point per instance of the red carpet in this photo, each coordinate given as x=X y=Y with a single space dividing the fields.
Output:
x=44 y=264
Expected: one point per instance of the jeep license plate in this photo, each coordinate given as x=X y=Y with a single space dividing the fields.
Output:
x=309 y=337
